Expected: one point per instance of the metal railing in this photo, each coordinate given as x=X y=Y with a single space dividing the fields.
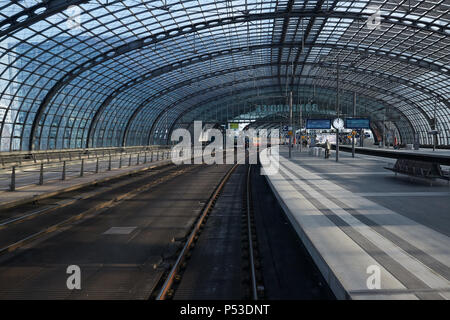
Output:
x=21 y=158
x=92 y=162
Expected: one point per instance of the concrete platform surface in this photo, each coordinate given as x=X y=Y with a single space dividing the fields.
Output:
x=31 y=191
x=425 y=151
x=356 y=219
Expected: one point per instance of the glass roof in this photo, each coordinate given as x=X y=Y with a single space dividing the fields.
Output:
x=80 y=73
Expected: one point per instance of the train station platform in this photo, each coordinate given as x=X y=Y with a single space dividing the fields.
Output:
x=441 y=156
x=29 y=189
x=355 y=218
x=422 y=150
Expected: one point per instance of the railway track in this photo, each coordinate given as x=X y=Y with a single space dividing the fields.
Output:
x=65 y=223
x=166 y=290
x=253 y=264
x=251 y=253
x=69 y=209
x=251 y=277
x=189 y=242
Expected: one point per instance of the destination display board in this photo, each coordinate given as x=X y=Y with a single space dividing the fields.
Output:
x=318 y=123
x=357 y=123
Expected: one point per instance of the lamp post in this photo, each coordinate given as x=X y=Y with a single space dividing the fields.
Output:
x=337 y=108
x=384 y=129
x=300 y=126
x=290 y=129
x=354 y=114
x=434 y=126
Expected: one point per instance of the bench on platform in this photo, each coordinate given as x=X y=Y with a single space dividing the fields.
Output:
x=419 y=169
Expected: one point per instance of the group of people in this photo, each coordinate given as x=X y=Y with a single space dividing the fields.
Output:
x=311 y=142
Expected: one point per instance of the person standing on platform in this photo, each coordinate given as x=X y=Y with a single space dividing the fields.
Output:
x=327 y=149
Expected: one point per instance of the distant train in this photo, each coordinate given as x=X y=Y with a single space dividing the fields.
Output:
x=256 y=141
x=269 y=141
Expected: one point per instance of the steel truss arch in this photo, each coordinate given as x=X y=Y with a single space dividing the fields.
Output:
x=119 y=73
x=225 y=95
x=34 y=14
x=176 y=32
x=199 y=93
x=356 y=83
x=213 y=55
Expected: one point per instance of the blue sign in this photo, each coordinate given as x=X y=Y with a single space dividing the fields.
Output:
x=357 y=123
x=318 y=123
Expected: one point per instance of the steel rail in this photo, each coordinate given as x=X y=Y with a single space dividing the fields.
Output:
x=250 y=240
x=94 y=210
x=167 y=285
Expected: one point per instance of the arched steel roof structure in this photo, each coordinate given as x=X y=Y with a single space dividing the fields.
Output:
x=79 y=73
